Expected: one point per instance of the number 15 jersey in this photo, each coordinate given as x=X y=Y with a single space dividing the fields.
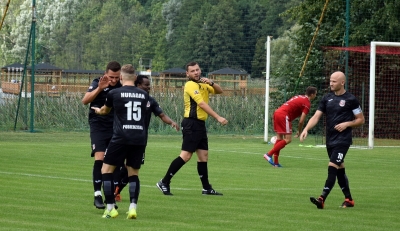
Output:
x=130 y=104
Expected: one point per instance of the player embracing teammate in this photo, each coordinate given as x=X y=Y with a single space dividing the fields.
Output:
x=128 y=140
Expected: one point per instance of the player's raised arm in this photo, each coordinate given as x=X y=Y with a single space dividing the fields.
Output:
x=90 y=96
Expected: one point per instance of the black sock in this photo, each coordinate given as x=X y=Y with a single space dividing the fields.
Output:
x=173 y=168
x=134 y=188
x=330 y=182
x=124 y=180
x=117 y=177
x=344 y=183
x=203 y=174
x=108 y=188
x=97 y=178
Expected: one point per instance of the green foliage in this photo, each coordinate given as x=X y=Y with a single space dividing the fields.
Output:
x=75 y=34
x=56 y=193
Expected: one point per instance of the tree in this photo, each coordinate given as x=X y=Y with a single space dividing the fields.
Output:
x=14 y=45
x=158 y=29
x=377 y=16
x=225 y=36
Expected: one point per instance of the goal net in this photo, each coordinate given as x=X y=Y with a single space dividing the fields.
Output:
x=373 y=76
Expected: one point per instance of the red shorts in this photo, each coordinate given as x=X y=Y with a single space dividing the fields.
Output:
x=282 y=124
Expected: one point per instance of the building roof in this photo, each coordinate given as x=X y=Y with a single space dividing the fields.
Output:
x=15 y=65
x=227 y=71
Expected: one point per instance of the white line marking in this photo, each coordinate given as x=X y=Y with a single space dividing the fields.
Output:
x=267 y=188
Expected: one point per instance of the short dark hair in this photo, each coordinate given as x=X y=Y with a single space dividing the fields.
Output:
x=190 y=64
x=311 y=90
x=139 y=79
x=114 y=66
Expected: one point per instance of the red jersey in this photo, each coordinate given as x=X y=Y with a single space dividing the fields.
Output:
x=295 y=106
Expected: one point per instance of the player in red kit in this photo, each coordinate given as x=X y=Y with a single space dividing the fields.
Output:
x=297 y=106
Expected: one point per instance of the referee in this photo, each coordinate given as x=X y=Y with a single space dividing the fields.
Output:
x=196 y=95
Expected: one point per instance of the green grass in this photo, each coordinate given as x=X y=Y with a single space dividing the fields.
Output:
x=45 y=184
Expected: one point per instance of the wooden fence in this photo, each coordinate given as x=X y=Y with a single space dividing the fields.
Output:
x=164 y=85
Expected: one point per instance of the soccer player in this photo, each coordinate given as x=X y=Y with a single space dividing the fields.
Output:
x=101 y=127
x=143 y=83
x=193 y=126
x=283 y=116
x=128 y=140
x=343 y=112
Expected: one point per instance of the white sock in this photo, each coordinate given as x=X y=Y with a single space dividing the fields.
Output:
x=97 y=193
x=132 y=206
x=110 y=207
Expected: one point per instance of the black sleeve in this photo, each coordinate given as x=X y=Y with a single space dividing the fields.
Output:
x=110 y=99
x=322 y=104
x=155 y=107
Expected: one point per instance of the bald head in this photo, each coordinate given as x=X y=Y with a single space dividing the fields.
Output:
x=339 y=76
x=337 y=82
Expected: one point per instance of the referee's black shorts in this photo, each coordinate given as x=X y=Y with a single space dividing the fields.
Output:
x=194 y=135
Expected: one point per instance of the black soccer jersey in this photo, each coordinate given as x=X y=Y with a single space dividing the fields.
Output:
x=130 y=104
x=154 y=108
x=339 y=109
x=98 y=122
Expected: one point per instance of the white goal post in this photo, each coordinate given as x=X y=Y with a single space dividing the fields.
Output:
x=371 y=125
x=372 y=77
x=267 y=47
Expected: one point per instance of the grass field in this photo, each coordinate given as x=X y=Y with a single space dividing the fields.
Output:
x=45 y=184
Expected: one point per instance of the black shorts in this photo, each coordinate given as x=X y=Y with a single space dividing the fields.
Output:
x=194 y=135
x=99 y=141
x=116 y=154
x=144 y=154
x=337 y=153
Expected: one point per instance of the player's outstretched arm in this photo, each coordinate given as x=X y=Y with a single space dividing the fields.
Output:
x=104 y=110
x=169 y=121
x=311 y=123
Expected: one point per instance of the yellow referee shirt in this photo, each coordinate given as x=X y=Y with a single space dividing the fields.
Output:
x=194 y=94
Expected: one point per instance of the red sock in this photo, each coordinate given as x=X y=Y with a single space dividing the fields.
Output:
x=279 y=144
x=276 y=157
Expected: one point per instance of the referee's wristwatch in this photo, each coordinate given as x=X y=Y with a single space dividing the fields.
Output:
x=212 y=83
